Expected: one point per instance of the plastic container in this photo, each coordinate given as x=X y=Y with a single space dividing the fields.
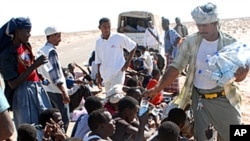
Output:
x=143 y=107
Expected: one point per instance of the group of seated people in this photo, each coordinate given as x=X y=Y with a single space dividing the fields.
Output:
x=119 y=124
x=115 y=117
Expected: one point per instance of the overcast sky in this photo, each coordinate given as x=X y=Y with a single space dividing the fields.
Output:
x=79 y=15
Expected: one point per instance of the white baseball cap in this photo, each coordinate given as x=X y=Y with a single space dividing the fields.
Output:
x=51 y=30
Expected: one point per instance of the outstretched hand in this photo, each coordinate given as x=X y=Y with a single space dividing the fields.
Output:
x=149 y=93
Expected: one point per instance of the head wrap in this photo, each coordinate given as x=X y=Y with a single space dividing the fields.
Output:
x=7 y=30
x=205 y=14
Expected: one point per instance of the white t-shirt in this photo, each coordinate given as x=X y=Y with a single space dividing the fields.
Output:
x=149 y=39
x=94 y=70
x=109 y=53
x=147 y=61
x=206 y=48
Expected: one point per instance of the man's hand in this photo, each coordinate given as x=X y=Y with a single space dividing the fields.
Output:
x=241 y=73
x=150 y=93
x=66 y=98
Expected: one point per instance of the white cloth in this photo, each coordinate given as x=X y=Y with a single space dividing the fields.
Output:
x=109 y=53
x=82 y=127
x=87 y=137
x=149 y=39
x=115 y=94
x=94 y=70
x=119 y=78
x=44 y=70
x=205 y=14
x=147 y=62
x=140 y=28
x=206 y=48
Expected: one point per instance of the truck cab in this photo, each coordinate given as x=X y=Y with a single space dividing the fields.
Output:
x=134 y=23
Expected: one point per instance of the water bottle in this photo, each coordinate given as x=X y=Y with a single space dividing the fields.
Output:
x=215 y=76
x=143 y=106
x=226 y=78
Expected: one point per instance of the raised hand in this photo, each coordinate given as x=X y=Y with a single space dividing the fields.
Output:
x=40 y=61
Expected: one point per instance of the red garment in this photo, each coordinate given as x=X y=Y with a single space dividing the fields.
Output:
x=110 y=108
x=158 y=97
x=24 y=61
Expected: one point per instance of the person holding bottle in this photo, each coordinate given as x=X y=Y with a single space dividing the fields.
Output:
x=211 y=103
x=19 y=69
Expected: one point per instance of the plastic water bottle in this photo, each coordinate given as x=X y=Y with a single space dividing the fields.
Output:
x=215 y=76
x=212 y=60
x=143 y=107
x=227 y=77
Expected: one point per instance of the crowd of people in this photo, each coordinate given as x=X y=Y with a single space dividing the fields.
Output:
x=143 y=99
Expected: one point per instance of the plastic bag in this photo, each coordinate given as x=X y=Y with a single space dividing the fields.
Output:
x=224 y=63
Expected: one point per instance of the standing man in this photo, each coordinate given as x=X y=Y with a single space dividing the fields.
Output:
x=52 y=70
x=183 y=32
x=171 y=39
x=180 y=28
x=109 y=55
x=152 y=37
x=223 y=109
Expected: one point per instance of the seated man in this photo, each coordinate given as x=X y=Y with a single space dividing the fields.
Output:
x=51 y=125
x=81 y=127
x=101 y=125
x=126 y=126
x=26 y=132
x=76 y=90
x=140 y=26
x=127 y=28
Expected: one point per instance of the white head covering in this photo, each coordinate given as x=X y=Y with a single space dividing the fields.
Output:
x=115 y=94
x=205 y=14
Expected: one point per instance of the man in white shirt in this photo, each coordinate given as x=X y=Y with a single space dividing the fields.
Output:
x=109 y=55
x=152 y=37
x=57 y=90
x=147 y=60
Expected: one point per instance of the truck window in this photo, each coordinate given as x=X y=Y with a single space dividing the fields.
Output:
x=132 y=24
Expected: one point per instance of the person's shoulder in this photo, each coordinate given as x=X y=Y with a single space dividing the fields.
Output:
x=99 y=38
x=172 y=30
x=192 y=36
x=120 y=121
x=227 y=36
x=118 y=35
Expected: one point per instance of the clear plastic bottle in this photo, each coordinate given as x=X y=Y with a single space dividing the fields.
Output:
x=211 y=61
x=143 y=106
x=215 y=76
x=226 y=78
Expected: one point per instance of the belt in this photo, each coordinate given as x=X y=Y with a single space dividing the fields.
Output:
x=213 y=95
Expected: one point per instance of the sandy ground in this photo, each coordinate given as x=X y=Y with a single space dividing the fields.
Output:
x=238 y=27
